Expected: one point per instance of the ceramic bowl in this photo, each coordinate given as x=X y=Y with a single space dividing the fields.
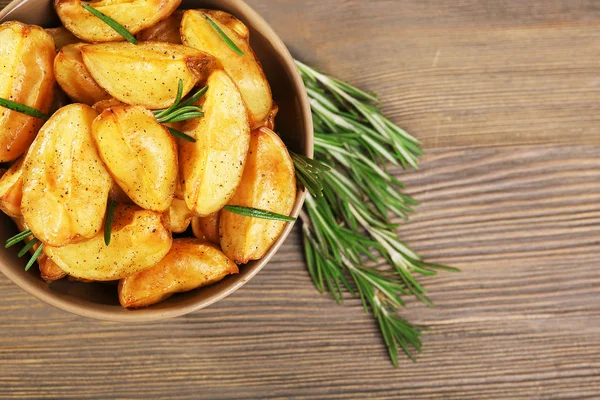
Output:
x=294 y=124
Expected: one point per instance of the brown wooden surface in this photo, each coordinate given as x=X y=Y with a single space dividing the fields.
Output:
x=506 y=97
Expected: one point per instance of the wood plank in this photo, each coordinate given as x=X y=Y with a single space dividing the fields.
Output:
x=465 y=73
x=520 y=321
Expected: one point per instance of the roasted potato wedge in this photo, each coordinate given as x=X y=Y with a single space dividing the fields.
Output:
x=189 y=265
x=245 y=71
x=103 y=105
x=133 y=15
x=62 y=37
x=268 y=183
x=26 y=77
x=11 y=189
x=230 y=21
x=49 y=271
x=74 y=78
x=211 y=168
x=180 y=216
x=140 y=239
x=140 y=155
x=269 y=123
x=166 y=30
x=207 y=228
x=147 y=74
x=65 y=183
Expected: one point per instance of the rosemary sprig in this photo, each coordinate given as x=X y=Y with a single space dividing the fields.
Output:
x=347 y=224
x=23 y=109
x=108 y=222
x=223 y=36
x=21 y=237
x=120 y=29
x=181 y=111
x=256 y=213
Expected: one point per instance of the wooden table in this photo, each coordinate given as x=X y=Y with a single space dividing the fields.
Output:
x=505 y=96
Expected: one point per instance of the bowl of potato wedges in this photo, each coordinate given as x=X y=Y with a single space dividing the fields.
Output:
x=146 y=151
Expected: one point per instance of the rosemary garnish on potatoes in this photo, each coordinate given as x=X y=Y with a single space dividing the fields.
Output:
x=108 y=222
x=348 y=221
x=256 y=213
x=23 y=109
x=120 y=29
x=21 y=237
x=181 y=111
x=224 y=36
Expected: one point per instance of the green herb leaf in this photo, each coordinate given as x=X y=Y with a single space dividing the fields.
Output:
x=223 y=36
x=108 y=223
x=35 y=256
x=23 y=109
x=256 y=213
x=28 y=246
x=181 y=135
x=19 y=237
x=120 y=29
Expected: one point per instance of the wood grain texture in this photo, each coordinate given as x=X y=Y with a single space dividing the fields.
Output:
x=505 y=95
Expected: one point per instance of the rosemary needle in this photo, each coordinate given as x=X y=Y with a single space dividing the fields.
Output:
x=223 y=36
x=256 y=213
x=120 y=29
x=108 y=223
x=23 y=109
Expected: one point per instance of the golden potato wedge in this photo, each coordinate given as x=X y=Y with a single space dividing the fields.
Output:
x=180 y=216
x=11 y=189
x=207 y=228
x=49 y=271
x=140 y=239
x=269 y=183
x=26 y=77
x=74 y=78
x=139 y=153
x=245 y=71
x=65 y=183
x=62 y=37
x=147 y=74
x=189 y=265
x=211 y=168
x=269 y=123
x=166 y=30
x=133 y=15
x=229 y=21
x=103 y=105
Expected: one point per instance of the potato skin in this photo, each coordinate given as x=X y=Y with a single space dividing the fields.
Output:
x=140 y=239
x=104 y=105
x=11 y=189
x=133 y=15
x=269 y=122
x=147 y=74
x=62 y=37
x=180 y=216
x=269 y=183
x=65 y=183
x=140 y=155
x=27 y=77
x=211 y=168
x=74 y=78
x=166 y=30
x=245 y=71
x=189 y=265
x=207 y=228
